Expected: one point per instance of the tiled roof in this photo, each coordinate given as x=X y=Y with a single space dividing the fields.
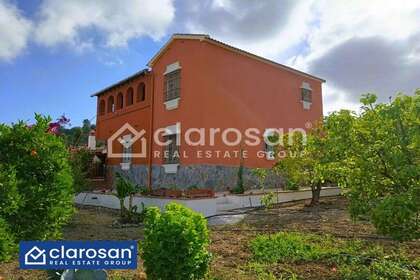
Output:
x=119 y=83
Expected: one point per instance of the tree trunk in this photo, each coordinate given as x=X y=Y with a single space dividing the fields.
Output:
x=122 y=208
x=316 y=193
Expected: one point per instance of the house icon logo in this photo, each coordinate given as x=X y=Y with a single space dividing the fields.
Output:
x=35 y=256
x=127 y=142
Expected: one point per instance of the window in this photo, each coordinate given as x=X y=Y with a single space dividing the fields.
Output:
x=120 y=101
x=102 y=107
x=306 y=95
x=127 y=149
x=172 y=85
x=130 y=96
x=111 y=104
x=271 y=139
x=171 y=150
x=269 y=150
x=141 y=92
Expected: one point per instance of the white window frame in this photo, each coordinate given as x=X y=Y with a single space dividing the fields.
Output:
x=127 y=153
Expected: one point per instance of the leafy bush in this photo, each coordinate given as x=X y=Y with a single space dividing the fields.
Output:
x=398 y=217
x=80 y=163
x=261 y=174
x=41 y=198
x=7 y=242
x=267 y=200
x=239 y=188
x=10 y=199
x=125 y=188
x=175 y=243
x=381 y=164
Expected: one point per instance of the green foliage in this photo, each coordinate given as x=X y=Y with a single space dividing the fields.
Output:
x=381 y=167
x=267 y=200
x=261 y=271
x=291 y=185
x=39 y=190
x=355 y=259
x=285 y=246
x=374 y=154
x=77 y=136
x=7 y=242
x=261 y=174
x=240 y=181
x=125 y=188
x=397 y=216
x=382 y=269
x=307 y=162
x=10 y=199
x=80 y=162
x=175 y=243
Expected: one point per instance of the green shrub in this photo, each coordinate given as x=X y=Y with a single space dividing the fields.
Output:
x=10 y=199
x=7 y=243
x=377 y=155
x=282 y=246
x=355 y=260
x=80 y=163
x=126 y=189
x=267 y=200
x=398 y=217
x=295 y=246
x=381 y=269
x=175 y=244
x=44 y=185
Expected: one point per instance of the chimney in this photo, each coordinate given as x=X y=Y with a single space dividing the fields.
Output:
x=92 y=140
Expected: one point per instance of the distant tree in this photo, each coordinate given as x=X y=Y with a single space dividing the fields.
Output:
x=77 y=136
x=381 y=167
x=36 y=186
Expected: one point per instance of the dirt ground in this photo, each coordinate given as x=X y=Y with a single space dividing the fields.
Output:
x=230 y=242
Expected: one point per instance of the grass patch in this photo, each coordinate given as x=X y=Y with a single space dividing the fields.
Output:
x=354 y=259
x=294 y=246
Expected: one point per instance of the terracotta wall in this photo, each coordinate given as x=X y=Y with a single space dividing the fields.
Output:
x=137 y=115
x=223 y=89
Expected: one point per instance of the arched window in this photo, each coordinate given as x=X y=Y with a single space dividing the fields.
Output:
x=141 y=92
x=111 y=104
x=129 y=97
x=120 y=101
x=102 y=107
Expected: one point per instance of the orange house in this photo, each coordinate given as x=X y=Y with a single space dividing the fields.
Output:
x=200 y=110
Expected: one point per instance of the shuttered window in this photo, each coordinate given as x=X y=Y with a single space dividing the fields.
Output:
x=306 y=95
x=171 y=150
x=172 y=85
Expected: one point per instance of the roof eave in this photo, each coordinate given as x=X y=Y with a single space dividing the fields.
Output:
x=207 y=38
x=123 y=81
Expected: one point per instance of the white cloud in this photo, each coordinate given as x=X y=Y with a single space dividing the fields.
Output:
x=14 y=31
x=361 y=46
x=73 y=21
x=357 y=46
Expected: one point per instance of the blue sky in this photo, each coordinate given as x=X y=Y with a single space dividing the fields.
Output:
x=54 y=54
x=59 y=81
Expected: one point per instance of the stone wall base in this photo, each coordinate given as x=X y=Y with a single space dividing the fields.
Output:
x=216 y=177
